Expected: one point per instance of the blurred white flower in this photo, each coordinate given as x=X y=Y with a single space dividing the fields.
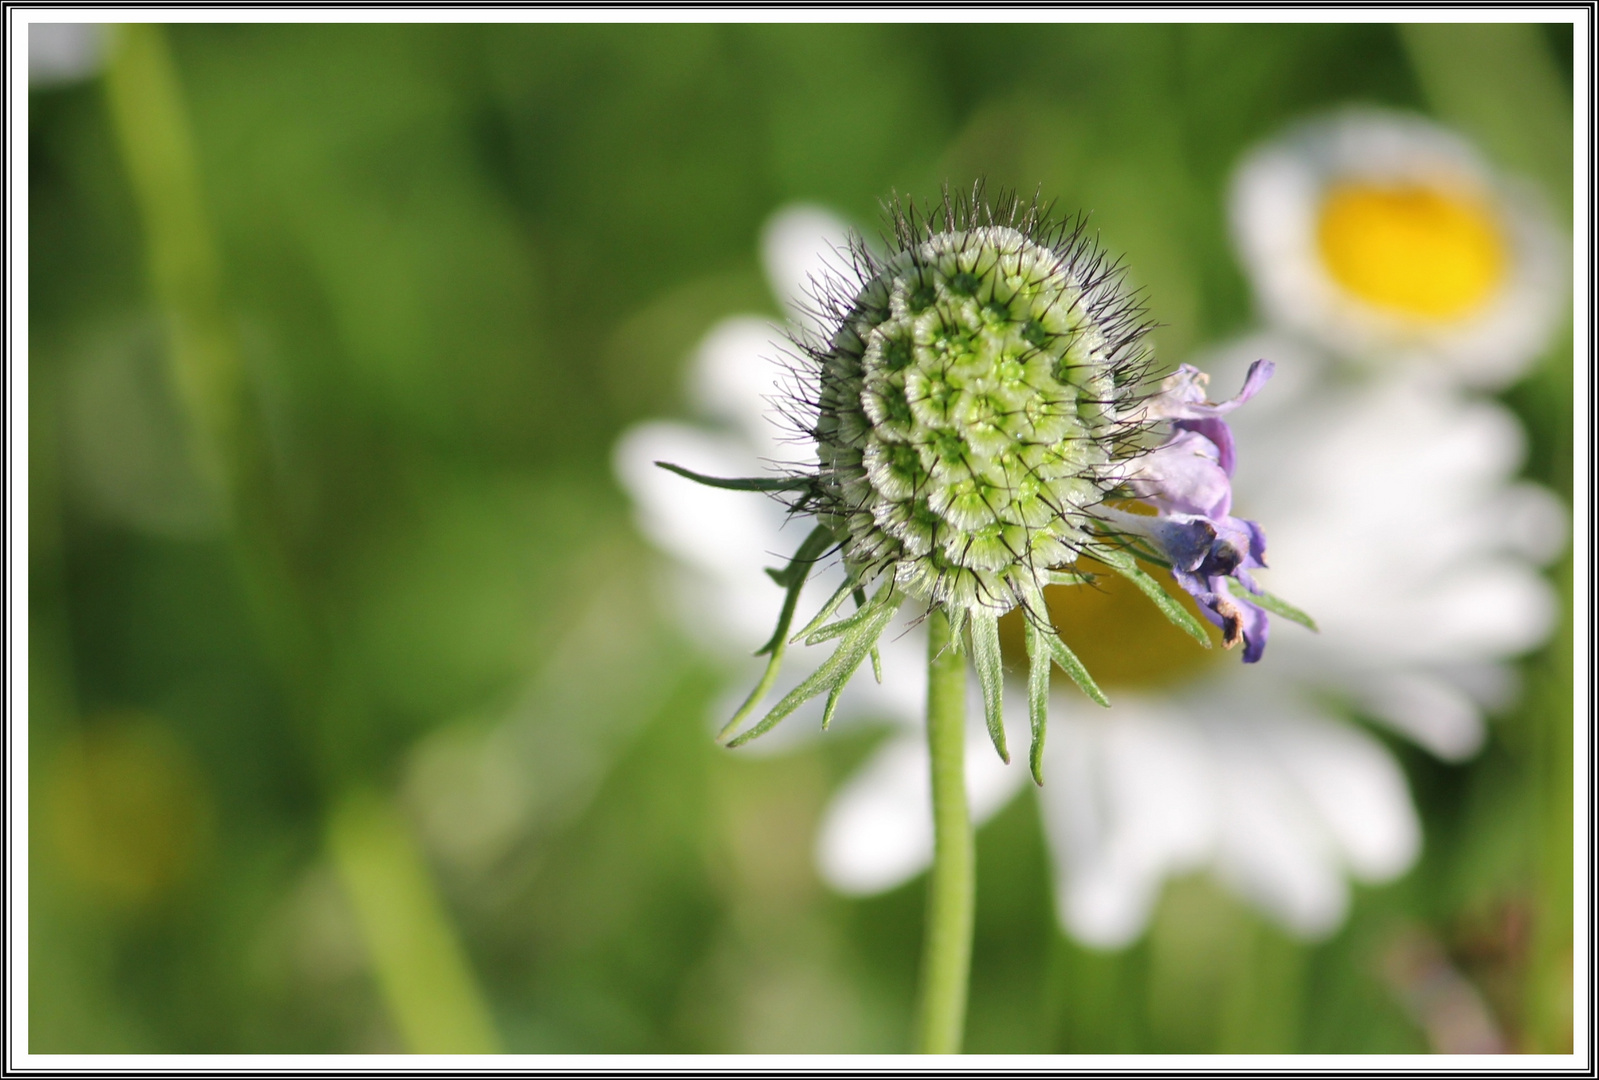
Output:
x=1392 y=518
x=1384 y=238
x=60 y=53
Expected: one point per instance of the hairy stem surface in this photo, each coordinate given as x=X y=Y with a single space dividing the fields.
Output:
x=951 y=900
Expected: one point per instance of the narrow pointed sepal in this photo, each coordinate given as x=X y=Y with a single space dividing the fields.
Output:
x=1277 y=606
x=793 y=579
x=836 y=669
x=750 y=483
x=865 y=613
x=957 y=624
x=1037 y=697
x=827 y=612
x=1073 y=667
x=1069 y=577
x=991 y=676
x=1125 y=565
x=832 y=703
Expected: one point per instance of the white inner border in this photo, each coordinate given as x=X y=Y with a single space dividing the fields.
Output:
x=17 y=22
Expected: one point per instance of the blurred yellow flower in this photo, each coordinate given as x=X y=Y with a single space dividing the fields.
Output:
x=128 y=808
x=1383 y=237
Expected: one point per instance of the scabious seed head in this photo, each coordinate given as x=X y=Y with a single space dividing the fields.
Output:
x=974 y=399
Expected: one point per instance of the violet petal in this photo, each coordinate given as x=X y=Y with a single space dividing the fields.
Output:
x=1184 y=476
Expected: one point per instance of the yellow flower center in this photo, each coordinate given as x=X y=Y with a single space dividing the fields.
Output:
x=1122 y=638
x=1418 y=251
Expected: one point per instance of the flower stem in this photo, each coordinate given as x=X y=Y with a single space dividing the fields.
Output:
x=951 y=899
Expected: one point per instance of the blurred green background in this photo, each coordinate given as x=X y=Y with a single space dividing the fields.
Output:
x=354 y=722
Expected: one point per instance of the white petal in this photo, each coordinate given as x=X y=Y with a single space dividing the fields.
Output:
x=1355 y=788
x=739 y=377
x=1105 y=909
x=64 y=52
x=1127 y=800
x=1429 y=710
x=1534 y=522
x=1272 y=850
x=877 y=832
x=802 y=247
x=1486 y=609
x=1426 y=570
x=703 y=526
x=1491 y=686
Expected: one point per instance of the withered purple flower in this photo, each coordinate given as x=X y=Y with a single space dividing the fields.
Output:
x=1188 y=481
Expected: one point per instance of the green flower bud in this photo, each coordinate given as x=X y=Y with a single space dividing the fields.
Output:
x=973 y=402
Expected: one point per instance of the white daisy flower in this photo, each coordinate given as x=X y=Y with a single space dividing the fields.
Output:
x=1383 y=237
x=1422 y=590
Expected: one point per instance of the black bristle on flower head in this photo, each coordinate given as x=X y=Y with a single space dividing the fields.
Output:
x=973 y=394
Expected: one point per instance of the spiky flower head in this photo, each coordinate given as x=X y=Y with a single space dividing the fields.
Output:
x=977 y=396
x=975 y=400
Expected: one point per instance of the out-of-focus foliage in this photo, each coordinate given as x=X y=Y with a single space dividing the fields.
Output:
x=457 y=261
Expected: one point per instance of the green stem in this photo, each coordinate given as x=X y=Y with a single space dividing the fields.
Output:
x=951 y=899
x=420 y=967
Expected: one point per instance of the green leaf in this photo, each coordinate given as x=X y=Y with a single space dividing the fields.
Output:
x=756 y=483
x=1037 y=697
x=1072 y=666
x=793 y=577
x=826 y=613
x=832 y=703
x=797 y=571
x=846 y=624
x=1276 y=606
x=835 y=670
x=991 y=675
x=1127 y=567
